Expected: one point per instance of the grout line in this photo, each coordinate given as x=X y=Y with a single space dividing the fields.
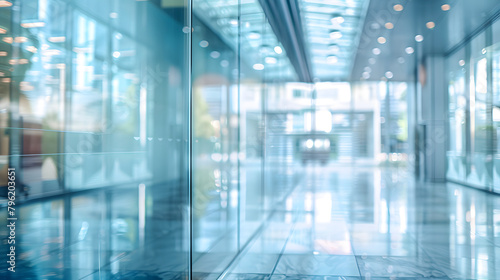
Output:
x=292 y=230
x=243 y=250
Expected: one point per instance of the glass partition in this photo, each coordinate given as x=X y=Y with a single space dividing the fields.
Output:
x=480 y=107
x=458 y=100
x=215 y=150
x=95 y=95
x=473 y=111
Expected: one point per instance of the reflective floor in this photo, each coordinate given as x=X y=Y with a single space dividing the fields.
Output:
x=378 y=224
x=340 y=221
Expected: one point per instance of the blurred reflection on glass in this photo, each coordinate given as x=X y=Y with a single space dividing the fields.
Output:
x=214 y=185
x=495 y=56
x=480 y=110
x=457 y=114
x=95 y=95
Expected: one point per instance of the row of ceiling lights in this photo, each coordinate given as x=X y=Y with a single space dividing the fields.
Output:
x=336 y=34
x=409 y=50
x=258 y=66
x=265 y=49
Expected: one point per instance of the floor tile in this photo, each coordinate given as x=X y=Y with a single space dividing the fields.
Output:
x=290 y=265
x=255 y=263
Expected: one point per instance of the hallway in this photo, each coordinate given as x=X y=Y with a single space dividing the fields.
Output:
x=343 y=221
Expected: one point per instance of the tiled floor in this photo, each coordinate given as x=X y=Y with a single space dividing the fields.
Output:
x=356 y=223
x=344 y=222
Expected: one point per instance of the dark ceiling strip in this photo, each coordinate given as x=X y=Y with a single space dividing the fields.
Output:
x=284 y=18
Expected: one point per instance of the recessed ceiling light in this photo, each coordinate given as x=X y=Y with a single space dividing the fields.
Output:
x=372 y=60
x=332 y=59
x=461 y=62
x=334 y=48
x=258 y=66
x=381 y=40
x=419 y=38
x=389 y=25
x=368 y=69
x=409 y=50
x=430 y=25
x=445 y=7
x=224 y=63
x=278 y=50
x=335 y=34
x=233 y=22
x=366 y=75
x=398 y=7
x=204 y=44
x=33 y=24
x=376 y=51
x=32 y=49
x=59 y=39
x=389 y=75
x=270 y=60
x=483 y=51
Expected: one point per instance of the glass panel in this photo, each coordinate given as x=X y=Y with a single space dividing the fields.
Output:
x=94 y=96
x=457 y=160
x=393 y=120
x=495 y=55
x=252 y=73
x=481 y=127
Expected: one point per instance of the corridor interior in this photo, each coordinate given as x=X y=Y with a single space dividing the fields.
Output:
x=250 y=139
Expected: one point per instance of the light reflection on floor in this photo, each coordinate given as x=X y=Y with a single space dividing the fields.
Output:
x=348 y=221
x=379 y=223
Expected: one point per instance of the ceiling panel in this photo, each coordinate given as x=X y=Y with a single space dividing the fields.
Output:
x=332 y=30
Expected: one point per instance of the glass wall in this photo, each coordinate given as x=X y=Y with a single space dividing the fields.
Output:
x=381 y=120
x=495 y=110
x=457 y=109
x=234 y=168
x=473 y=91
x=171 y=125
x=95 y=95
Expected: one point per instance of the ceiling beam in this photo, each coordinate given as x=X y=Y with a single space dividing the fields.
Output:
x=284 y=18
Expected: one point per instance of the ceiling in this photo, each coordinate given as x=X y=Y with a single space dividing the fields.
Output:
x=342 y=40
x=396 y=38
